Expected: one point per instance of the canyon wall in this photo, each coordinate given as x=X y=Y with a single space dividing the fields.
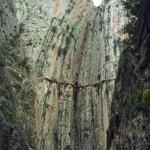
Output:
x=74 y=48
x=16 y=87
x=69 y=52
x=130 y=123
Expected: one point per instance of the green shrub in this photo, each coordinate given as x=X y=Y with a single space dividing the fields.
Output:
x=31 y=139
x=146 y=94
x=142 y=97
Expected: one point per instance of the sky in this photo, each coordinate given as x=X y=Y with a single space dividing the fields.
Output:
x=97 y=2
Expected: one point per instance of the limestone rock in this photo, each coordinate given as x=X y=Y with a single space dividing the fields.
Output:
x=73 y=43
x=71 y=52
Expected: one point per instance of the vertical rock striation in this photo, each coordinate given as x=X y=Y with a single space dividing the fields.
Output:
x=75 y=49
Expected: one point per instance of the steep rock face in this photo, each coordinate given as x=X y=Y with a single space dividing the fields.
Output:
x=130 y=124
x=75 y=49
x=16 y=92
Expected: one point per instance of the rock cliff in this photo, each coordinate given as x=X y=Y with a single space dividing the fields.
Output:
x=16 y=92
x=130 y=122
x=74 y=47
x=70 y=55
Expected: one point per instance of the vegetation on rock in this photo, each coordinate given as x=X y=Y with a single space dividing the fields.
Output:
x=142 y=97
x=16 y=111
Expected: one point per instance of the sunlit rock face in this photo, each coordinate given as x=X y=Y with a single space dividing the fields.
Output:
x=58 y=65
x=74 y=48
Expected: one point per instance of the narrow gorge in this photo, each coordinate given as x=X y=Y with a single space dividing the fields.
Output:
x=74 y=75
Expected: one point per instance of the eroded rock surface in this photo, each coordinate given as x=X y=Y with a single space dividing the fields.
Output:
x=75 y=49
x=16 y=91
x=130 y=122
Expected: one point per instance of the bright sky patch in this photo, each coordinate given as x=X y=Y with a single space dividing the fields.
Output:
x=97 y=2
